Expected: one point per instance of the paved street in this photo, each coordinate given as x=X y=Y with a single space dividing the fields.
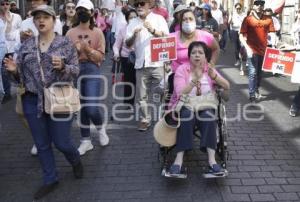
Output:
x=264 y=163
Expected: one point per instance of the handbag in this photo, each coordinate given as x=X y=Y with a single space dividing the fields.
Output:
x=62 y=98
x=201 y=102
x=19 y=106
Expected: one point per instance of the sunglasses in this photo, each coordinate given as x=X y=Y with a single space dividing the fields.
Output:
x=139 y=4
x=70 y=7
x=5 y=4
x=259 y=3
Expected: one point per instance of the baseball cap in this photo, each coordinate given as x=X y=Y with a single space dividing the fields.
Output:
x=205 y=6
x=87 y=4
x=180 y=8
x=45 y=9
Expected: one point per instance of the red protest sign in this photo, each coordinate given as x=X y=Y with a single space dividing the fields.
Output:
x=279 y=62
x=163 y=49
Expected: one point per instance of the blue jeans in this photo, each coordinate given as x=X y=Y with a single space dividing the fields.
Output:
x=223 y=41
x=296 y=100
x=2 y=54
x=184 y=138
x=89 y=88
x=254 y=73
x=44 y=131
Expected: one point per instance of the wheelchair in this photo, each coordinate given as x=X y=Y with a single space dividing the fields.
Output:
x=165 y=154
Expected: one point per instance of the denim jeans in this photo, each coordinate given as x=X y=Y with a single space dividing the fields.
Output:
x=237 y=44
x=254 y=73
x=207 y=125
x=223 y=40
x=90 y=89
x=2 y=53
x=296 y=100
x=46 y=131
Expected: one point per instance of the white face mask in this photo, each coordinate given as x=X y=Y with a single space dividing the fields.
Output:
x=189 y=27
x=141 y=13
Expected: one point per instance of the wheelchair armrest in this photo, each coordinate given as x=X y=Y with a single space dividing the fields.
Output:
x=222 y=93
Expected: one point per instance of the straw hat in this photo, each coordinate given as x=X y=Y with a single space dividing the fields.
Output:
x=165 y=129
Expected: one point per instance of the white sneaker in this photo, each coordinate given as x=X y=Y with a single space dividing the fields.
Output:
x=33 y=150
x=103 y=138
x=237 y=63
x=242 y=73
x=85 y=145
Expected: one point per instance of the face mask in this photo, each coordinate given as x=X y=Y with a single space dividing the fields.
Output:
x=141 y=13
x=188 y=27
x=83 y=16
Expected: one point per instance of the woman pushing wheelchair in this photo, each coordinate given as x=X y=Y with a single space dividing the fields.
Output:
x=194 y=80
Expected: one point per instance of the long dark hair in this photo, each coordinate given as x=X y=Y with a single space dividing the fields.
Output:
x=63 y=15
x=92 y=21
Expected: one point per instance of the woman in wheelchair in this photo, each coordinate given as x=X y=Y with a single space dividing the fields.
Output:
x=193 y=79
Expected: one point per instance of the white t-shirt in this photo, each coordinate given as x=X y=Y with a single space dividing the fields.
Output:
x=2 y=33
x=218 y=15
x=118 y=21
x=13 y=37
x=142 y=41
x=28 y=24
x=237 y=20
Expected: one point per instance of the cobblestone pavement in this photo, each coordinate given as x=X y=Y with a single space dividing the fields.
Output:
x=264 y=162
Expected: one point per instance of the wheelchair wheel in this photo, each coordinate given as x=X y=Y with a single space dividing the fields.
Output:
x=223 y=134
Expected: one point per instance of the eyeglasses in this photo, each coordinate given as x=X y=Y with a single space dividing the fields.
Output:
x=70 y=7
x=5 y=4
x=259 y=3
x=238 y=8
x=139 y=4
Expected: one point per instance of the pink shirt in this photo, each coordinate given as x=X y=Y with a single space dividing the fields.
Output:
x=182 y=49
x=100 y=22
x=161 y=11
x=183 y=77
x=120 y=44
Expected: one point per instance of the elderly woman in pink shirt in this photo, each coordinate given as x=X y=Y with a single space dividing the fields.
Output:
x=193 y=79
x=121 y=52
x=184 y=37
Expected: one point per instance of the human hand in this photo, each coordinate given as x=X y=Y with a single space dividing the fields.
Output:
x=26 y=34
x=136 y=31
x=249 y=52
x=10 y=64
x=148 y=26
x=116 y=58
x=58 y=62
x=212 y=72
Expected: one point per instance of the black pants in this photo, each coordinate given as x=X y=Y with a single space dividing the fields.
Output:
x=129 y=76
x=237 y=44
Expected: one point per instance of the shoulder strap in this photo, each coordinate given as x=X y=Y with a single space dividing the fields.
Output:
x=39 y=58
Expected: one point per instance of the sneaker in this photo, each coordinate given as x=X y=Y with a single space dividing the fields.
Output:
x=237 y=63
x=143 y=126
x=33 y=150
x=252 y=99
x=176 y=171
x=103 y=137
x=78 y=170
x=45 y=189
x=259 y=96
x=85 y=145
x=293 y=111
x=242 y=73
x=215 y=171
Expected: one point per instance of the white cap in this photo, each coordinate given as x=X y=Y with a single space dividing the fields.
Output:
x=85 y=4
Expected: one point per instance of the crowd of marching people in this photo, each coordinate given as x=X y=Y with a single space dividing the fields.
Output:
x=46 y=48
